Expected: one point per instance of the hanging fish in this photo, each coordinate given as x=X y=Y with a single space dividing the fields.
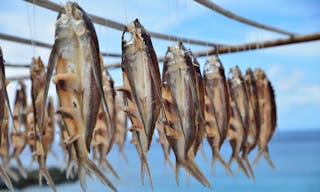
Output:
x=254 y=121
x=142 y=87
x=181 y=99
x=40 y=137
x=78 y=79
x=217 y=108
x=19 y=137
x=121 y=123
x=102 y=133
x=4 y=108
x=268 y=115
x=239 y=118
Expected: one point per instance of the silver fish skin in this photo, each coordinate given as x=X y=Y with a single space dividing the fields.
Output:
x=179 y=96
x=268 y=115
x=75 y=55
x=217 y=108
x=143 y=87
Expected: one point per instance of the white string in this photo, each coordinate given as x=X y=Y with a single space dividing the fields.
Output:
x=125 y=12
x=30 y=29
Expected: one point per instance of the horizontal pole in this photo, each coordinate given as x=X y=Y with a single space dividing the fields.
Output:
x=246 y=46
x=119 y=26
x=209 y=4
x=42 y=44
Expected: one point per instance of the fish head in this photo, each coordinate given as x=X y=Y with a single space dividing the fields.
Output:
x=71 y=22
x=133 y=37
x=37 y=67
x=235 y=75
x=259 y=74
x=175 y=54
x=212 y=67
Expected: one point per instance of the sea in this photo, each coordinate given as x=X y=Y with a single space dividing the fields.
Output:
x=296 y=155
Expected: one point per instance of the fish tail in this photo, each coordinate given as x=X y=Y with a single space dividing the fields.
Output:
x=248 y=165
x=195 y=171
x=71 y=169
x=178 y=165
x=6 y=179
x=242 y=166
x=43 y=172
x=145 y=165
x=258 y=156
x=104 y=161
x=86 y=166
x=266 y=155
x=217 y=156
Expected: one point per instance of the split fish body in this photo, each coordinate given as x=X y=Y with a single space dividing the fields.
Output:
x=217 y=108
x=78 y=79
x=181 y=98
x=267 y=113
x=142 y=87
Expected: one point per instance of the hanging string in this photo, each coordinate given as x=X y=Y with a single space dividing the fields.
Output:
x=125 y=12
x=169 y=18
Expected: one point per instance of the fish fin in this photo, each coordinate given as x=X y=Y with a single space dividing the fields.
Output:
x=170 y=132
x=145 y=166
x=85 y=167
x=259 y=154
x=131 y=111
x=106 y=163
x=217 y=156
x=195 y=171
x=246 y=161
x=6 y=179
x=124 y=89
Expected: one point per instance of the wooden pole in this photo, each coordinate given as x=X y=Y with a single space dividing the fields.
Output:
x=209 y=4
x=246 y=46
x=42 y=44
x=119 y=26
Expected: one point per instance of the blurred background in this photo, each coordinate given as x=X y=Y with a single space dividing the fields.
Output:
x=292 y=69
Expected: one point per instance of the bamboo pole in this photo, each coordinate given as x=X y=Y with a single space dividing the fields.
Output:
x=119 y=26
x=246 y=46
x=42 y=44
x=209 y=4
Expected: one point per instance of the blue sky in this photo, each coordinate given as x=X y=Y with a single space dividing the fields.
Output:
x=293 y=69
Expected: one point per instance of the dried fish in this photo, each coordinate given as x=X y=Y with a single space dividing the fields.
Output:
x=254 y=121
x=142 y=87
x=78 y=79
x=239 y=122
x=4 y=108
x=102 y=133
x=180 y=92
x=217 y=108
x=268 y=115
x=19 y=136
x=40 y=137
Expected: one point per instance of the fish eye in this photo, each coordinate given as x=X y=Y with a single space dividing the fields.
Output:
x=127 y=36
